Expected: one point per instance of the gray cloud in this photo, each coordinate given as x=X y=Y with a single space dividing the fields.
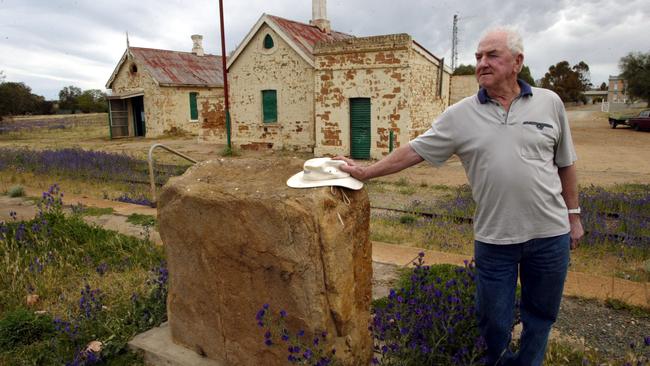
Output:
x=51 y=44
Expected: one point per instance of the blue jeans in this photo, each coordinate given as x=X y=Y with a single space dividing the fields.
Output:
x=542 y=265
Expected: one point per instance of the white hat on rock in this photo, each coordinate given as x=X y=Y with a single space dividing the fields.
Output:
x=323 y=172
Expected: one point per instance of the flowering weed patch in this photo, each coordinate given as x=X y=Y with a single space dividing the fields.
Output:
x=97 y=289
x=616 y=221
x=429 y=320
x=302 y=349
x=82 y=164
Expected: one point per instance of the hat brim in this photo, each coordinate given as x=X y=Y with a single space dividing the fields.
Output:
x=298 y=181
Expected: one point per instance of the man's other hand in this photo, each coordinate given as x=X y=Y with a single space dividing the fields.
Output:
x=576 y=230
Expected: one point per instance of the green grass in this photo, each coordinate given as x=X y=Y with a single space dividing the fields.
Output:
x=634 y=310
x=142 y=220
x=96 y=211
x=16 y=191
x=120 y=281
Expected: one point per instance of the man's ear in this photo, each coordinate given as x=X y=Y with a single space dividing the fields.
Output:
x=519 y=62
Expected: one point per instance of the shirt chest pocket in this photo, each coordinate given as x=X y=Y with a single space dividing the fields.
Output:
x=538 y=140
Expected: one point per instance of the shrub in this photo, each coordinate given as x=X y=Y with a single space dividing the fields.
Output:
x=430 y=320
x=22 y=327
x=16 y=191
x=407 y=219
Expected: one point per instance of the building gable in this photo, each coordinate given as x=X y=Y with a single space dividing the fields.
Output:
x=299 y=36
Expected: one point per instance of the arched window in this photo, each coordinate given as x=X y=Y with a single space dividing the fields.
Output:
x=268 y=42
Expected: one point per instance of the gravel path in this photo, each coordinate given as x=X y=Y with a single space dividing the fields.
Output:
x=601 y=328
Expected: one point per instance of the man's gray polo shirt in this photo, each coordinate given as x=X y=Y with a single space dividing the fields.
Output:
x=511 y=160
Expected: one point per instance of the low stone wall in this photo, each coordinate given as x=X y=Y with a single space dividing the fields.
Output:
x=237 y=237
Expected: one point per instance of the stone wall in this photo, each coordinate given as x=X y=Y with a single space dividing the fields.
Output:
x=280 y=69
x=462 y=86
x=427 y=101
x=235 y=242
x=369 y=67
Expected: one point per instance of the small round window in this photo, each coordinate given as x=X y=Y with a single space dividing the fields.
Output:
x=268 y=42
x=133 y=68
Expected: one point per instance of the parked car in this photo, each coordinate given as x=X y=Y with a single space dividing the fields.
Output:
x=640 y=122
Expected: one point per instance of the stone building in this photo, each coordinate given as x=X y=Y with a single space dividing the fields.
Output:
x=154 y=92
x=305 y=87
x=617 y=88
x=271 y=82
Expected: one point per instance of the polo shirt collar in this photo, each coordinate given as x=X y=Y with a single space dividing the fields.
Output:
x=526 y=90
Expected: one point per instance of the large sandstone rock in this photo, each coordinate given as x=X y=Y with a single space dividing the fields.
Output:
x=237 y=237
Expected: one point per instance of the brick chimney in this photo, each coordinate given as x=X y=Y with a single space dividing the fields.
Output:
x=319 y=16
x=197 y=47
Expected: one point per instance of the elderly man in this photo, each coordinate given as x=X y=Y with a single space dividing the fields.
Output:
x=515 y=145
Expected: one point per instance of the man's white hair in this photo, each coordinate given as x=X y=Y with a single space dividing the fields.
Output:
x=513 y=39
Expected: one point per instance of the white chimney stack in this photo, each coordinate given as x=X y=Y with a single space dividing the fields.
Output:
x=319 y=16
x=197 y=47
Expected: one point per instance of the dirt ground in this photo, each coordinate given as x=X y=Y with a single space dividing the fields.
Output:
x=605 y=156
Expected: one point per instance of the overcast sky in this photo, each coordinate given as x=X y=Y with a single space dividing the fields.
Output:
x=49 y=44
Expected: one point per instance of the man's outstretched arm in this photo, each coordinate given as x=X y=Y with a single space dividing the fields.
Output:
x=399 y=159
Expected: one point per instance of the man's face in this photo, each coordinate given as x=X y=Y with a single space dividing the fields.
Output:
x=496 y=66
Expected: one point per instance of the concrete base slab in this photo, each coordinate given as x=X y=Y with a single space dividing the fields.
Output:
x=158 y=349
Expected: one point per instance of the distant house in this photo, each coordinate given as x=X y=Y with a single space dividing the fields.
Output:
x=617 y=90
x=305 y=87
x=154 y=92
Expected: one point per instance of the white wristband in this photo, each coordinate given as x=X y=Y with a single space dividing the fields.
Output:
x=574 y=211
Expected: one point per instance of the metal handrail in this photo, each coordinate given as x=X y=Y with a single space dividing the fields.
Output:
x=150 y=159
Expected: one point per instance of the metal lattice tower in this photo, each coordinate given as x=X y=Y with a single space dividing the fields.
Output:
x=454 y=43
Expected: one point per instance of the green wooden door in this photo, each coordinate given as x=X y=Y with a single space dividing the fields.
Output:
x=360 y=128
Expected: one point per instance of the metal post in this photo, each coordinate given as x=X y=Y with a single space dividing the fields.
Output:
x=152 y=178
x=225 y=76
x=390 y=142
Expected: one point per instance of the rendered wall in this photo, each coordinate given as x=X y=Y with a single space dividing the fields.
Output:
x=166 y=109
x=370 y=67
x=280 y=69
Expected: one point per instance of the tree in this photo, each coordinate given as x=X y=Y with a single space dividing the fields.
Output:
x=465 y=70
x=635 y=69
x=568 y=82
x=583 y=74
x=92 y=101
x=525 y=75
x=68 y=98
x=603 y=86
x=16 y=99
x=2 y=76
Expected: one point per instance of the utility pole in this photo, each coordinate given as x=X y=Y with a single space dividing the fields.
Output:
x=225 y=77
x=454 y=44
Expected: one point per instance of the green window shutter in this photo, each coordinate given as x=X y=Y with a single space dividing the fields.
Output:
x=194 y=110
x=270 y=106
x=268 y=42
x=360 y=128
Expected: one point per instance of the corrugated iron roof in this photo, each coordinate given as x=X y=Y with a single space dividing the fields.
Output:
x=180 y=68
x=305 y=35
